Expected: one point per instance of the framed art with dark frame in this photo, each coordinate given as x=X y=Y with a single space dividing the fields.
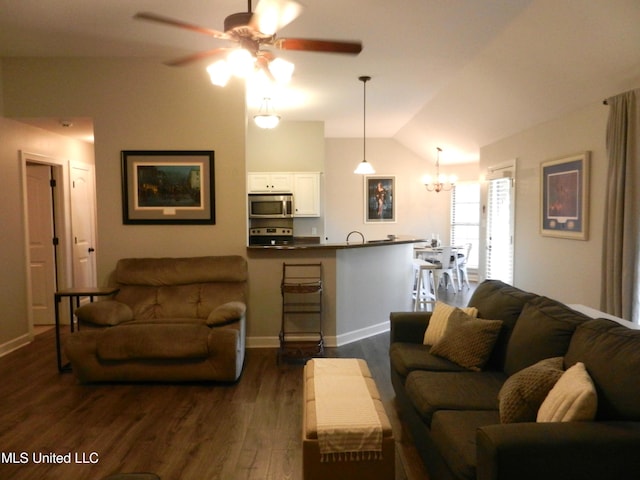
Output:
x=564 y=199
x=168 y=187
x=379 y=199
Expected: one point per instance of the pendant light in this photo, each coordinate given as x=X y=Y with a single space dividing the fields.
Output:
x=364 y=167
x=266 y=117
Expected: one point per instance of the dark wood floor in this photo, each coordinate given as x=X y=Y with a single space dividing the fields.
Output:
x=248 y=430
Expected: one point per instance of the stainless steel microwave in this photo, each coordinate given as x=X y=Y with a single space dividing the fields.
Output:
x=267 y=205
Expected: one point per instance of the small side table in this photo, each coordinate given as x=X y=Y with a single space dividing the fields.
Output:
x=76 y=293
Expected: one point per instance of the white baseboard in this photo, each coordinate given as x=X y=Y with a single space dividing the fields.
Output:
x=15 y=344
x=354 y=336
x=329 y=341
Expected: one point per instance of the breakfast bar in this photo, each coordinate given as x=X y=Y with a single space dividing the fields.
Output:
x=363 y=282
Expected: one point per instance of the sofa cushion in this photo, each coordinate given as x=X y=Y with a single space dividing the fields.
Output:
x=160 y=341
x=407 y=357
x=227 y=312
x=497 y=300
x=572 y=399
x=522 y=394
x=106 y=313
x=439 y=321
x=454 y=433
x=543 y=330
x=181 y=271
x=194 y=300
x=179 y=287
x=433 y=391
x=469 y=341
x=611 y=354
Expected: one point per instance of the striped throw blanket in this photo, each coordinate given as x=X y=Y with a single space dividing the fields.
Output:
x=349 y=428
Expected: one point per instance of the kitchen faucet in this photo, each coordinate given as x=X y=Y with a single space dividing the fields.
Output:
x=355 y=231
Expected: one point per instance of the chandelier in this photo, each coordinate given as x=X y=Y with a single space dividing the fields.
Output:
x=441 y=182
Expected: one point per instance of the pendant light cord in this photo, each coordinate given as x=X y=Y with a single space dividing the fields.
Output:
x=364 y=80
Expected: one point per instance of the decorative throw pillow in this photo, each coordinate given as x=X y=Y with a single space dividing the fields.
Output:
x=227 y=312
x=439 y=321
x=522 y=394
x=469 y=342
x=572 y=399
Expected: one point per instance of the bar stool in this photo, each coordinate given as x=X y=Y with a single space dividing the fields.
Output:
x=425 y=291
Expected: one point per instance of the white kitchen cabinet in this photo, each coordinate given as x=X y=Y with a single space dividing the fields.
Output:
x=305 y=187
x=306 y=194
x=272 y=182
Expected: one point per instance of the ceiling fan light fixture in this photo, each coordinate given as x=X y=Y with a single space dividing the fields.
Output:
x=268 y=23
x=219 y=73
x=241 y=62
x=274 y=14
x=281 y=69
x=266 y=116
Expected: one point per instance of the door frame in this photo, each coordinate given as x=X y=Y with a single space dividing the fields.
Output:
x=62 y=216
x=507 y=169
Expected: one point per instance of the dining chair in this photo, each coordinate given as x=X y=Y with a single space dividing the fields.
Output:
x=463 y=258
x=445 y=268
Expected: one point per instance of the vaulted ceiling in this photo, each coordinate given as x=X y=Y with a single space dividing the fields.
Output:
x=457 y=74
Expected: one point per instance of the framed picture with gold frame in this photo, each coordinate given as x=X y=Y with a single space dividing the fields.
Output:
x=564 y=197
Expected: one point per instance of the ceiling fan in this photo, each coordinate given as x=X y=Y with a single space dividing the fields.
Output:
x=253 y=30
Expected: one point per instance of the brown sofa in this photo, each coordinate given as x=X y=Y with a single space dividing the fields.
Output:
x=457 y=417
x=173 y=319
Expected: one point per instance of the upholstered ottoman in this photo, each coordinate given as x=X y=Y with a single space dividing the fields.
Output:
x=346 y=433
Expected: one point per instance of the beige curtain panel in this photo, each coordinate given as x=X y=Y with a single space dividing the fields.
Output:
x=621 y=243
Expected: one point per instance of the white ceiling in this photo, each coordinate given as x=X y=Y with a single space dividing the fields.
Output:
x=451 y=73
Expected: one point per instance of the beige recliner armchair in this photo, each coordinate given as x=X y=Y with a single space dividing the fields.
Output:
x=173 y=319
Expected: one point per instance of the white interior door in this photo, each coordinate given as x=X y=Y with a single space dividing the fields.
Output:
x=83 y=225
x=500 y=229
x=42 y=263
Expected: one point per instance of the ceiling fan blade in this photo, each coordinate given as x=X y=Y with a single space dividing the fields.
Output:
x=180 y=24
x=271 y=15
x=179 y=62
x=311 y=45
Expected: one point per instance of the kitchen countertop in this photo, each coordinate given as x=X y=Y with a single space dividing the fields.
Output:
x=401 y=239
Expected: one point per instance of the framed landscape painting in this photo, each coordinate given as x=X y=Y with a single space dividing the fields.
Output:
x=565 y=197
x=168 y=187
x=380 y=199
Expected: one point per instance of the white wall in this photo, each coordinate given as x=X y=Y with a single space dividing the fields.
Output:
x=567 y=270
x=135 y=104
x=419 y=213
x=142 y=104
x=290 y=147
x=16 y=137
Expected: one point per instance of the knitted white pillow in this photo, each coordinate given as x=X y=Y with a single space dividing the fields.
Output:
x=439 y=321
x=572 y=399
